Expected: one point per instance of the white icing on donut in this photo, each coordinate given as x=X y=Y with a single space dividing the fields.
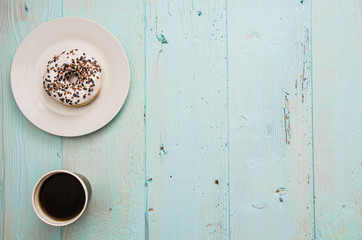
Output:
x=72 y=63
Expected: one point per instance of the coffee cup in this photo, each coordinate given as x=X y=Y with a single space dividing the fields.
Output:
x=60 y=197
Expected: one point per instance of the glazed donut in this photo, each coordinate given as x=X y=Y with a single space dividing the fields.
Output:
x=66 y=65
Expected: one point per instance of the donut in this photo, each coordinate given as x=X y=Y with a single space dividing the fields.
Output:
x=62 y=68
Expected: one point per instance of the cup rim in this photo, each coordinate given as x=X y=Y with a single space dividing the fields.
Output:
x=43 y=216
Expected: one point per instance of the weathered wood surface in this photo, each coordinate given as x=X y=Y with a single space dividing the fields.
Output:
x=27 y=152
x=243 y=121
x=113 y=158
x=337 y=97
x=271 y=156
x=186 y=120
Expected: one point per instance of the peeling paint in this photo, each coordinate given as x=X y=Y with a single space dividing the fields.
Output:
x=281 y=191
x=308 y=179
x=304 y=77
x=162 y=150
x=161 y=39
x=287 y=120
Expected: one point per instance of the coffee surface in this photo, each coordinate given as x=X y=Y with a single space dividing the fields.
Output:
x=62 y=196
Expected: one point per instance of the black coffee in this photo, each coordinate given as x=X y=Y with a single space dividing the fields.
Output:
x=62 y=196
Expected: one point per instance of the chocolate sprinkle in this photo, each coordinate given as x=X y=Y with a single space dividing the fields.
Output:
x=60 y=69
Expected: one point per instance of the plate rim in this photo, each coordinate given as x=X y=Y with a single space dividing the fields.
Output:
x=128 y=73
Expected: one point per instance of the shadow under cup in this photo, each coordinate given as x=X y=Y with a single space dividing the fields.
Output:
x=60 y=197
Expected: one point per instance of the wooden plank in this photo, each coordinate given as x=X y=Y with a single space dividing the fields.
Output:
x=271 y=158
x=113 y=157
x=337 y=52
x=26 y=152
x=186 y=120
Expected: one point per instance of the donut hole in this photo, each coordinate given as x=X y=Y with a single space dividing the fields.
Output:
x=73 y=78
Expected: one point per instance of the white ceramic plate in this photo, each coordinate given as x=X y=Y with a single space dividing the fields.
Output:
x=50 y=39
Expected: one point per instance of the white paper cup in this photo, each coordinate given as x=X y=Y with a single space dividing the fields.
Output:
x=43 y=215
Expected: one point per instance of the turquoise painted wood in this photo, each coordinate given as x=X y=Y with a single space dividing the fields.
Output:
x=243 y=121
x=271 y=157
x=186 y=120
x=337 y=52
x=26 y=152
x=113 y=158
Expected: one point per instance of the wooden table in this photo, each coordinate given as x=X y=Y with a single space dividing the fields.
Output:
x=243 y=121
